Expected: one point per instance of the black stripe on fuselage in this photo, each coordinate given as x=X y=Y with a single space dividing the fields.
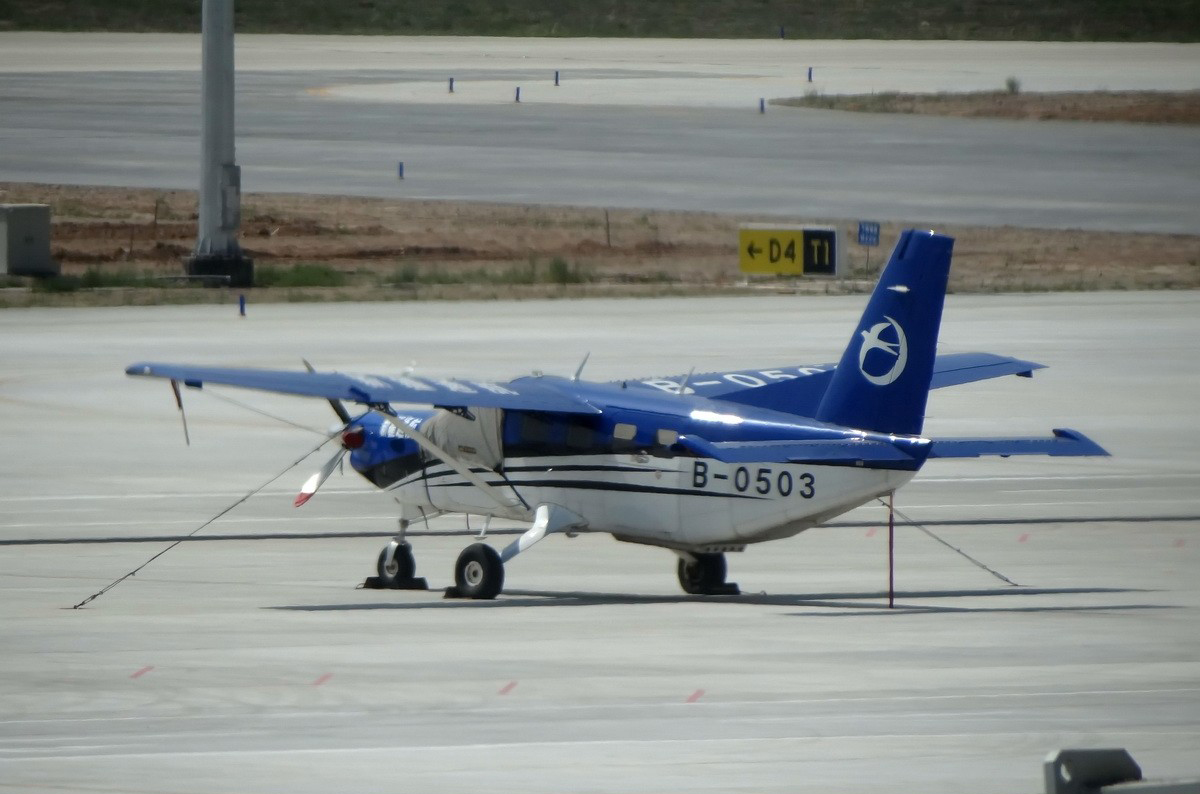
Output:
x=604 y=485
x=375 y=473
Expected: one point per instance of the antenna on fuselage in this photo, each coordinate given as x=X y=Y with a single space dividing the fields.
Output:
x=583 y=363
x=683 y=387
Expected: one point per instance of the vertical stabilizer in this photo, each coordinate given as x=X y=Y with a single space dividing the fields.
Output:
x=882 y=381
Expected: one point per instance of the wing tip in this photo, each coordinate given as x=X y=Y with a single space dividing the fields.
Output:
x=1086 y=447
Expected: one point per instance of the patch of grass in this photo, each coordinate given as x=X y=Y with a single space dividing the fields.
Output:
x=1012 y=85
x=94 y=278
x=403 y=275
x=302 y=274
x=437 y=275
x=57 y=284
x=560 y=271
x=517 y=274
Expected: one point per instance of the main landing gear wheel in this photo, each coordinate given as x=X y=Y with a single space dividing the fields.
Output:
x=479 y=572
x=704 y=575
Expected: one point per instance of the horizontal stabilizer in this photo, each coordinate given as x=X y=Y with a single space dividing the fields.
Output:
x=954 y=369
x=1070 y=443
x=904 y=454
x=531 y=394
x=798 y=388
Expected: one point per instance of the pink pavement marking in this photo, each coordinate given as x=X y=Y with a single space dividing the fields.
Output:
x=509 y=687
x=143 y=671
x=325 y=677
x=692 y=698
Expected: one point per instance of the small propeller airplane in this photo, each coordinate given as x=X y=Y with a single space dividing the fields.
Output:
x=701 y=465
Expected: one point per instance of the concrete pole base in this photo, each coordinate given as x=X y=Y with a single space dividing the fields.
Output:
x=234 y=270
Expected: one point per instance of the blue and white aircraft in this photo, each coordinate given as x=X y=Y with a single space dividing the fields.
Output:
x=702 y=464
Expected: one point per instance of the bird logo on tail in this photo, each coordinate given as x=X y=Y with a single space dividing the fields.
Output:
x=898 y=350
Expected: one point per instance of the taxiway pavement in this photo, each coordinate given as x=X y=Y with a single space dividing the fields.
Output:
x=649 y=124
x=253 y=664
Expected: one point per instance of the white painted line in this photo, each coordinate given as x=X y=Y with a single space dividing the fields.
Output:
x=192 y=522
x=788 y=742
x=524 y=707
x=326 y=491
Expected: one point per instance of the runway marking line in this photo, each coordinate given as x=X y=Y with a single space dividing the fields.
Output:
x=509 y=687
x=692 y=698
x=787 y=742
x=323 y=713
x=322 y=679
x=328 y=491
x=143 y=671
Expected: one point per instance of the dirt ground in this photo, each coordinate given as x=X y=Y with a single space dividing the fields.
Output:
x=395 y=249
x=1143 y=107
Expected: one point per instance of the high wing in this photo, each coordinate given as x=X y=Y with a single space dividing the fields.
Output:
x=527 y=393
x=799 y=389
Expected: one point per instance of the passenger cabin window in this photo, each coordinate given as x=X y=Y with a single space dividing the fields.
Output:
x=531 y=434
x=580 y=438
x=623 y=438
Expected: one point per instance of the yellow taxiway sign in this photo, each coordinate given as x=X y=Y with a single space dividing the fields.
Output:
x=788 y=250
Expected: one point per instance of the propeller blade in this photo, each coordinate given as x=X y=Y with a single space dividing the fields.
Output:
x=314 y=482
x=182 y=414
x=336 y=405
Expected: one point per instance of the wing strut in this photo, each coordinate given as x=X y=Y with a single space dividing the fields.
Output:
x=461 y=468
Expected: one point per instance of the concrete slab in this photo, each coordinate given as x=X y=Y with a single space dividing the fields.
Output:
x=856 y=66
x=654 y=124
x=253 y=664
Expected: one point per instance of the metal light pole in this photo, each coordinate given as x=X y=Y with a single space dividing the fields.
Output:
x=217 y=252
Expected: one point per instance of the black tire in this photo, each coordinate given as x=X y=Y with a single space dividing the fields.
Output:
x=479 y=573
x=704 y=576
x=402 y=569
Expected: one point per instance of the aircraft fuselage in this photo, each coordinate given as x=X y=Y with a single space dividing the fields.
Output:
x=626 y=471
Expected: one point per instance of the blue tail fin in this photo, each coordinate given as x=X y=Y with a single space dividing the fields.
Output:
x=882 y=381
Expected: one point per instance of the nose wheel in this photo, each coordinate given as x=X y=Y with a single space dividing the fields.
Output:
x=396 y=570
